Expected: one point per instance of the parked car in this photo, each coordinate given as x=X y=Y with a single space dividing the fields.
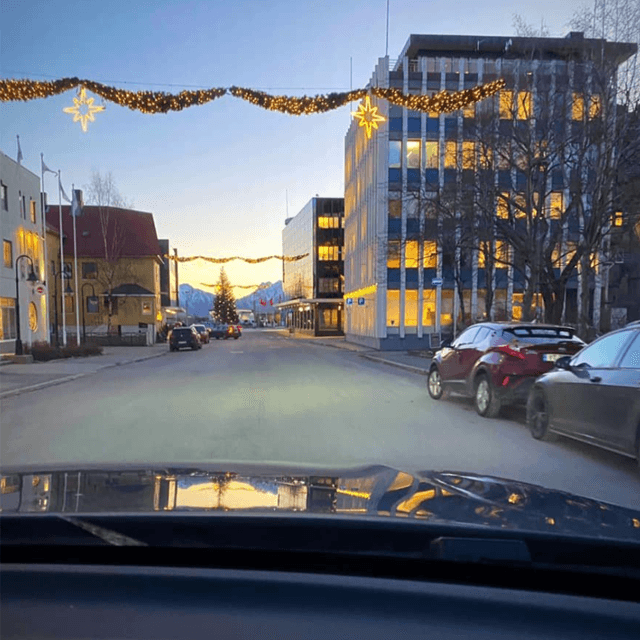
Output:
x=497 y=362
x=184 y=338
x=593 y=396
x=202 y=331
x=218 y=331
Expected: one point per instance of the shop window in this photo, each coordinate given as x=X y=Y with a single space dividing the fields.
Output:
x=393 y=308
x=429 y=308
x=7 y=253
x=413 y=154
x=8 y=320
x=431 y=153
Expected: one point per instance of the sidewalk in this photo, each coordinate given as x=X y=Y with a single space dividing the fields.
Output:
x=21 y=378
x=338 y=342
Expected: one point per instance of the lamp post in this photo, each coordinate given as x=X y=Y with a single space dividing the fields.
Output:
x=84 y=306
x=30 y=278
x=68 y=291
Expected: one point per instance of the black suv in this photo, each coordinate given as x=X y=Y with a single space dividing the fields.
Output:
x=184 y=338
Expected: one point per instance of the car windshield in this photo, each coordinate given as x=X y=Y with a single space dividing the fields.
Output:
x=321 y=235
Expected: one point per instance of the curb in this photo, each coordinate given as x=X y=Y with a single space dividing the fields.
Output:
x=57 y=381
x=317 y=343
x=399 y=365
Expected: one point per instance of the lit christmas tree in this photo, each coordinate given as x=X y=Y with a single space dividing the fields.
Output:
x=224 y=305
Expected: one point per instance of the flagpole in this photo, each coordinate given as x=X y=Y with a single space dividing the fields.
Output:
x=64 y=309
x=74 y=215
x=44 y=246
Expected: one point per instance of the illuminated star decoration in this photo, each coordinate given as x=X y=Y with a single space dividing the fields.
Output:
x=83 y=109
x=368 y=116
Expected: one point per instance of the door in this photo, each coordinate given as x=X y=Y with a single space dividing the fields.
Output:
x=585 y=403
x=455 y=358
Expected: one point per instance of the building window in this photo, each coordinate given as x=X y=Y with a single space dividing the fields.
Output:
x=32 y=209
x=595 y=106
x=411 y=308
x=431 y=154
x=393 y=308
x=577 y=107
x=486 y=156
x=393 y=254
x=69 y=304
x=450 y=153
x=8 y=319
x=23 y=207
x=329 y=222
x=328 y=252
x=430 y=254
x=468 y=154
x=7 y=252
x=469 y=111
x=329 y=285
x=556 y=205
x=5 y=196
x=411 y=254
x=413 y=154
x=89 y=270
x=395 y=154
x=502 y=208
x=147 y=308
x=395 y=207
x=524 y=105
x=33 y=317
x=617 y=219
x=506 y=105
x=502 y=253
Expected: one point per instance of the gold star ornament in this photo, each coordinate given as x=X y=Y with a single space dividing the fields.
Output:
x=368 y=116
x=83 y=109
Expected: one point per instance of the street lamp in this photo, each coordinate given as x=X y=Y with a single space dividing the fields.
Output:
x=30 y=278
x=68 y=291
x=84 y=304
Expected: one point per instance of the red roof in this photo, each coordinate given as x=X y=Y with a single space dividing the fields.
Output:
x=134 y=231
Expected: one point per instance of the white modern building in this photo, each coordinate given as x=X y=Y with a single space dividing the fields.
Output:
x=21 y=216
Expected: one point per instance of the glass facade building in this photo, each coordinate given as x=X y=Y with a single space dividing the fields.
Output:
x=408 y=185
x=313 y=286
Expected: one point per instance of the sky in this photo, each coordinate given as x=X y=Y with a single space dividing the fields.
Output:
x=219 y=178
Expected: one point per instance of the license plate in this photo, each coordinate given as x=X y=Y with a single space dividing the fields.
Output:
x=552 y=357
x=182 y=342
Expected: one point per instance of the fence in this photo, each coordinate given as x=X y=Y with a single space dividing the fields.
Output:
x=124 y=340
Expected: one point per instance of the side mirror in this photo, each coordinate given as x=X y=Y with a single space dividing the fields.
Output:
x=564 y=363
x=445 y=343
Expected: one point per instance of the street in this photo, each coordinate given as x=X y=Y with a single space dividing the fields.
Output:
x=268 y=398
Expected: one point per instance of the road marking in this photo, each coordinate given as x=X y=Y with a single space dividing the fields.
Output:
x=237 y=352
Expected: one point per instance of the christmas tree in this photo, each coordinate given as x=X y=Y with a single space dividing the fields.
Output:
x=224 y=306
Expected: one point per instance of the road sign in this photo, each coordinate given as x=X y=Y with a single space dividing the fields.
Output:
x=349 y=301
x=361 y=302
x=40 y=289
x=436 y=282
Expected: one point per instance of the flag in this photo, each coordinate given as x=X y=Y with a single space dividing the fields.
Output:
x=65 y=197
x=77 y=204
x=20 y=158
x=263 y=303
x=271 y=302
x=46 y=169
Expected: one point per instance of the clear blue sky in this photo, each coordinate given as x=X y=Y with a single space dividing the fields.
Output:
x=215 y=176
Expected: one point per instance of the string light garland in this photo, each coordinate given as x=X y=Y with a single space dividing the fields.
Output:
x=257 y=287
x=161 y=102
x=225 y=260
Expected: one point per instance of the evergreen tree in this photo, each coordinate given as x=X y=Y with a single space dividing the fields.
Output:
x=224 y=306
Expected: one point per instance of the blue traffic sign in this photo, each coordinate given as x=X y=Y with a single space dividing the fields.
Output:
x=436 y=282
x=349 y=301
x=361 y=302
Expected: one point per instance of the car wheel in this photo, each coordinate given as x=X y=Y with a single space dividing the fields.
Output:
x=538 y=416
x=434 y=384
x=235 y=337
x=486 y=401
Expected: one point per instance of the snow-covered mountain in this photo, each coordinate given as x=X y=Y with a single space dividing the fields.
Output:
x=272 y=292
x=195 y=301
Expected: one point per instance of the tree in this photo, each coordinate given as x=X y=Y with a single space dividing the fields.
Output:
x=224 y=305
x=103 y=193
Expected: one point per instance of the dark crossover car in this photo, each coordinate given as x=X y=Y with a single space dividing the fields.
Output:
x=202 y=332
x=218 y=331
x=497 y=362
x=184 y=338
x=593 y=396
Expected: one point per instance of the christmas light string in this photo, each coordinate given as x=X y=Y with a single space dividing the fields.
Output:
x=230 y=259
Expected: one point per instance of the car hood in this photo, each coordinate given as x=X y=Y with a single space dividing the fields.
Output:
x=376 y=491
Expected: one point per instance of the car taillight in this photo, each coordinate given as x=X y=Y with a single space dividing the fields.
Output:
x=510 y=351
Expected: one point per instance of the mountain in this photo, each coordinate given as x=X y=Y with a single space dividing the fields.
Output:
x=271 y=291
x=195 y=301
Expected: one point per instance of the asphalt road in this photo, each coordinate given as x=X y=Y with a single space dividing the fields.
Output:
x=267 y=398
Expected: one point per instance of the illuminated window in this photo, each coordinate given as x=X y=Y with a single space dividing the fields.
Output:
x=518 y=303
x=431 y=153
x=329 y=222
x=7 y=252
x=395 y=154
x=450 y=153
x=411 y=308
x=520 y=205
x=147 y=308
x=483 y=249
x=502 y=208
x=524 y=105
x=429 y=308
x=395 y=208
x=617 y=219
x=556 y=205
x=393 y=308
x=7 y=318
x=506 y=105
x=328 y=252
x=411 y=254
x=430 y=254
x=595 y=106
x=556 y=256
x=486 y=156
x=469 y=111
x=501 y=253
x=32 y=209
x=393 y=254
x=413 y=154
x=577 y=107
x=468 y=154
